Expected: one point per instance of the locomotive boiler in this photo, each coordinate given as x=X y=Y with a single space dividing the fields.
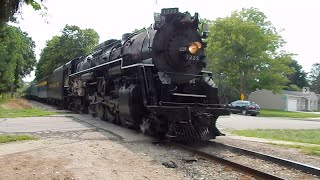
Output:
x=152 y=80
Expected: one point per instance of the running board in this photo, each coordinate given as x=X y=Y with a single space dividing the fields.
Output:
x=189 y=95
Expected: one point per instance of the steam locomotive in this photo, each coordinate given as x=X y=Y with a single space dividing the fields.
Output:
x=153 y=80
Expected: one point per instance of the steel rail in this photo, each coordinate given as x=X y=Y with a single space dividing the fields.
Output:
x=281 y=161
x=239 y=167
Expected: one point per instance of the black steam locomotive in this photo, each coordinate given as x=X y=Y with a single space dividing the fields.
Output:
x=152 y=80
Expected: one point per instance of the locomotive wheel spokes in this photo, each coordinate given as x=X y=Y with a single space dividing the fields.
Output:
x=91 y=109
x=109 y=116
x=100 y=111
x=123 y=123
x=145 y=126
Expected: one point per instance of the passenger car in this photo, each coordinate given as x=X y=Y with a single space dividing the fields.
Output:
x=245 y=107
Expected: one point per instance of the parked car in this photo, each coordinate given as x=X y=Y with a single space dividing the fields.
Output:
x=245 y=107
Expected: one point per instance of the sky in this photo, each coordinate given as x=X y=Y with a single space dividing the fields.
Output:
x=297 y=21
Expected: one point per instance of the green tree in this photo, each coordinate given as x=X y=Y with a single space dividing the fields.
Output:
x=314 y=77
x=17 y=58
x=293 y=87
x=298 y=78
x=73 y=42
x=9 y=8
x=244 y=49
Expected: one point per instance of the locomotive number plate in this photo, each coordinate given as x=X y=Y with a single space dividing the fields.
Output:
x=192 y=58
x=169 y=11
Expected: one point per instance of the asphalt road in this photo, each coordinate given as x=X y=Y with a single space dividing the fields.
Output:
x=57 y=125
x=255 y=122
x=86 y=122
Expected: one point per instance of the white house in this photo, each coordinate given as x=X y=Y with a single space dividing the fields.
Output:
x=318 y=101
x=286 y=100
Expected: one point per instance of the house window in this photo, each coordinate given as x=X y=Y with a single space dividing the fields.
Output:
x=298 y=102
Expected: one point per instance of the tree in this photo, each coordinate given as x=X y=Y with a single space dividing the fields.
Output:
x=293 y=87
x=8 y=8
x=244 y=49
x=314 y=77
x=17 y=58
x=298 y=78
x=73 y=42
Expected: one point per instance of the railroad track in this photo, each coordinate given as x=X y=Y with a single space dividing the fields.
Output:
x=217 y=152
x=284 y=162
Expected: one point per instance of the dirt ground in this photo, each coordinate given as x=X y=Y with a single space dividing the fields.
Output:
x=73 y=159
x=75 y=155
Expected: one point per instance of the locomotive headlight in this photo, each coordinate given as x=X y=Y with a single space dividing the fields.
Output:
x=194 y=47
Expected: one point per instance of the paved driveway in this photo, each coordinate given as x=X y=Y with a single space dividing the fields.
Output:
x=57 y=125
x=251 y=122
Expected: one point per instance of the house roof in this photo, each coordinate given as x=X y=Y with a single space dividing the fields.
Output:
x=298 y=93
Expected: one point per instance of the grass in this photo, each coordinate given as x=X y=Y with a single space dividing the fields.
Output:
x=310 y=150
x=12 y=113
x=288 y=114
x=12 y=138
x=4 y=98
x=18 y=107
x=309 y=136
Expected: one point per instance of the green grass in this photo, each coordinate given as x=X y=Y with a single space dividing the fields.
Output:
x=279 y=113
x=310 y=150
x=12 y=138
x=4 y=98
x=12 y=113
x=309 y=136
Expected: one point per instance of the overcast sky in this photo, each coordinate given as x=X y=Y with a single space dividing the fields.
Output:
x=298 y=19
